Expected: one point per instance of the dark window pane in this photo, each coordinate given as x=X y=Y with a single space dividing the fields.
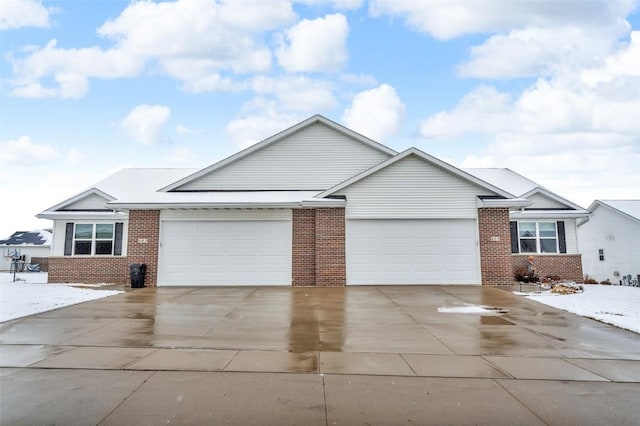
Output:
x=104 y=247
x=104 y=231
x=528 y=246
x=548 y=246
x=84 y=231
x=82 y=247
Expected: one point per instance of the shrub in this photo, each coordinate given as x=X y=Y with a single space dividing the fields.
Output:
x=522 y=275
x=589 y=280
x=606 y=282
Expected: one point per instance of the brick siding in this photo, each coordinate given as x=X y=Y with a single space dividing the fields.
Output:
x=142 y=247
x=318 y=254
x=88 y=270
x=565 y=266
x=495 y=246
x=42 y=261
x=143 y=242
x=304 y=247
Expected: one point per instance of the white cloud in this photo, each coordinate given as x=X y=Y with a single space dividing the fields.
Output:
x=296 y=93
x=199 y=41
x=337 y=4
x=444 y=19
x=75 y=156
x=144 y=123
x=23 y=13
x=70 y=68
x=182 y=130
x=576 y=132
x=199 y=38
x=315 y=45
x=23 y=151
x=260 y=119
x=376 y=113
x=537 y=51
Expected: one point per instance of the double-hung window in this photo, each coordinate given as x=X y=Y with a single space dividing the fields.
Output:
x=93 y=239
x=537 y=237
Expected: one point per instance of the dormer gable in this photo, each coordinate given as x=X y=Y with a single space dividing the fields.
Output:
x=92 y=200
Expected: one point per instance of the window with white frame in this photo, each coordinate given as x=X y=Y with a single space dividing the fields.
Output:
x=537 y=237
x=93 y=239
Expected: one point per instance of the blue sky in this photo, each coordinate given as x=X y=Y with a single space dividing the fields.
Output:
x=549 y=89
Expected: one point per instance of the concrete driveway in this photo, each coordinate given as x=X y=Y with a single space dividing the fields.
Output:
x=356 y=355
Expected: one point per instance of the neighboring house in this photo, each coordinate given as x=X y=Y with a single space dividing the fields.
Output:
x=610 y=240
x=546 y=229
x=27 y=245
x=314 y=205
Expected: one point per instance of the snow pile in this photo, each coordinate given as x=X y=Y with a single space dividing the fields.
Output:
x=31 y=295
x=611 y=304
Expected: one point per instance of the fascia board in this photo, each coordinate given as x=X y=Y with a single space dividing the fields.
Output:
x=549 y=214
x=80 y=215
x=235 y=205
x=504 y=202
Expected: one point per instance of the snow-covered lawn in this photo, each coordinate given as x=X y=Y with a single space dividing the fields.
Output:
x=32 y=295
x=612 y=304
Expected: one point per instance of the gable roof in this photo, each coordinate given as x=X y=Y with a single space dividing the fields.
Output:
x=40 y=237
x=628 y=208
x=316 y=119
x=125 y=183
x=520 y=186
x=425 y=157
x=82 y=195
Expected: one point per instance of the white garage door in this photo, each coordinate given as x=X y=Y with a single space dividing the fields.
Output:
x=412 y=252
x=209 y=253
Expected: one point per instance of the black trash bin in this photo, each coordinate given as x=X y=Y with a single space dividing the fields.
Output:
x=138 y=272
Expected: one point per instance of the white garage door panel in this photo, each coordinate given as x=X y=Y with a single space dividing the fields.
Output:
x=412 y=252
x=247 y=252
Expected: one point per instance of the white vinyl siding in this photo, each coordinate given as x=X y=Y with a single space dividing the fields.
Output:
x=412 y=188
x=315 y=158
x=89 y=203
x=539 y=201
x=618 y=236
x=225 y=252
x=571 y=236
x=432 y=251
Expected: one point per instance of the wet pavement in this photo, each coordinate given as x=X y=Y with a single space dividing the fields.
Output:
x=355 y=355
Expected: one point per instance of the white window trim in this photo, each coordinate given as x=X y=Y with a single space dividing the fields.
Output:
x=94 y=240
x=537 y=237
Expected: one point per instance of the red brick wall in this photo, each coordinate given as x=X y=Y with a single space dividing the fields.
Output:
x=319 y=247
x=88 y=270
x=144 y=238
x=330 y=247
x=566 y=266
x=303 y=260
x=495 y=246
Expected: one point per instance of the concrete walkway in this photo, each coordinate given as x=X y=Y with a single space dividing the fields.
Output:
x=357 y=355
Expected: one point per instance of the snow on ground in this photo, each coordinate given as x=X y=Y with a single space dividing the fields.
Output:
x=611 y=304
x=31 y=295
